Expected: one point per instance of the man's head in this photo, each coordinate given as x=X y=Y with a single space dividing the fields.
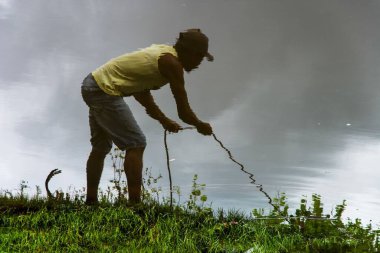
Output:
x=192 y=47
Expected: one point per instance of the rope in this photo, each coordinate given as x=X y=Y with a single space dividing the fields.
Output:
x=251 y=176
x=168 y=165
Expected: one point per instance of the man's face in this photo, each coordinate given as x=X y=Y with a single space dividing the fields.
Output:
x=192 y=60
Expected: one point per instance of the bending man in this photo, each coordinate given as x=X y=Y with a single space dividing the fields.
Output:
x=135 y=74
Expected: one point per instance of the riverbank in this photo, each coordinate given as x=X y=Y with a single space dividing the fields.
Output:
x=67 y=225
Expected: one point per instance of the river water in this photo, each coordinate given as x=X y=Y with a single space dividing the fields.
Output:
x=293 y=93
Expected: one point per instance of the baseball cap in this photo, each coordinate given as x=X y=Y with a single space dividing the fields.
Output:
x=194 y=39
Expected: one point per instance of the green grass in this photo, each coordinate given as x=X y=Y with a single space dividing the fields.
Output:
x=67 y=225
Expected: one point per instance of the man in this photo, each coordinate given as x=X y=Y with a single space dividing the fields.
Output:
x=135 y=74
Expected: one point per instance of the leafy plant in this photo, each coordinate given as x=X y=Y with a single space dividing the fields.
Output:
x=197 y=199
x=119 y=182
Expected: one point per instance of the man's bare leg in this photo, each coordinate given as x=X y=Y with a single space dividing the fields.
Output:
x=94 y=170
x=133 y=165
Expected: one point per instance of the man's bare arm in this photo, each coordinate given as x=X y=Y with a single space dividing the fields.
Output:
x=146 y=100
x=172 y=69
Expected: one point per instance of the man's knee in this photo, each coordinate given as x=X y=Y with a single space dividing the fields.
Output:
x=136 y=151
x=100 y=153
x=138 y=146
x=134 y=155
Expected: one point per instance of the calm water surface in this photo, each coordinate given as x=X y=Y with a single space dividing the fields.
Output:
x=297 y=106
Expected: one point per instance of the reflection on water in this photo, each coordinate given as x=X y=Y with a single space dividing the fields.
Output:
x=345 y=171
x=300 y=113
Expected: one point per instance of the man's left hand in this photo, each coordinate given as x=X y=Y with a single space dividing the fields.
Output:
x=171 y=125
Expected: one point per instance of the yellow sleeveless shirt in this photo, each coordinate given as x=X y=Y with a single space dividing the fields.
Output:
x=133 y=72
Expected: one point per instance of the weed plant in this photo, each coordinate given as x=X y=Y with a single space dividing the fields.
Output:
x=66 y=224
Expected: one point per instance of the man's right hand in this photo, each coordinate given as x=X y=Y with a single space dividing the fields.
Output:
x=204 y=128
x=171 y=125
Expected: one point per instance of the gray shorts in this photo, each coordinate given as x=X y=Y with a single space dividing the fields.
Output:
x=111 y=120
